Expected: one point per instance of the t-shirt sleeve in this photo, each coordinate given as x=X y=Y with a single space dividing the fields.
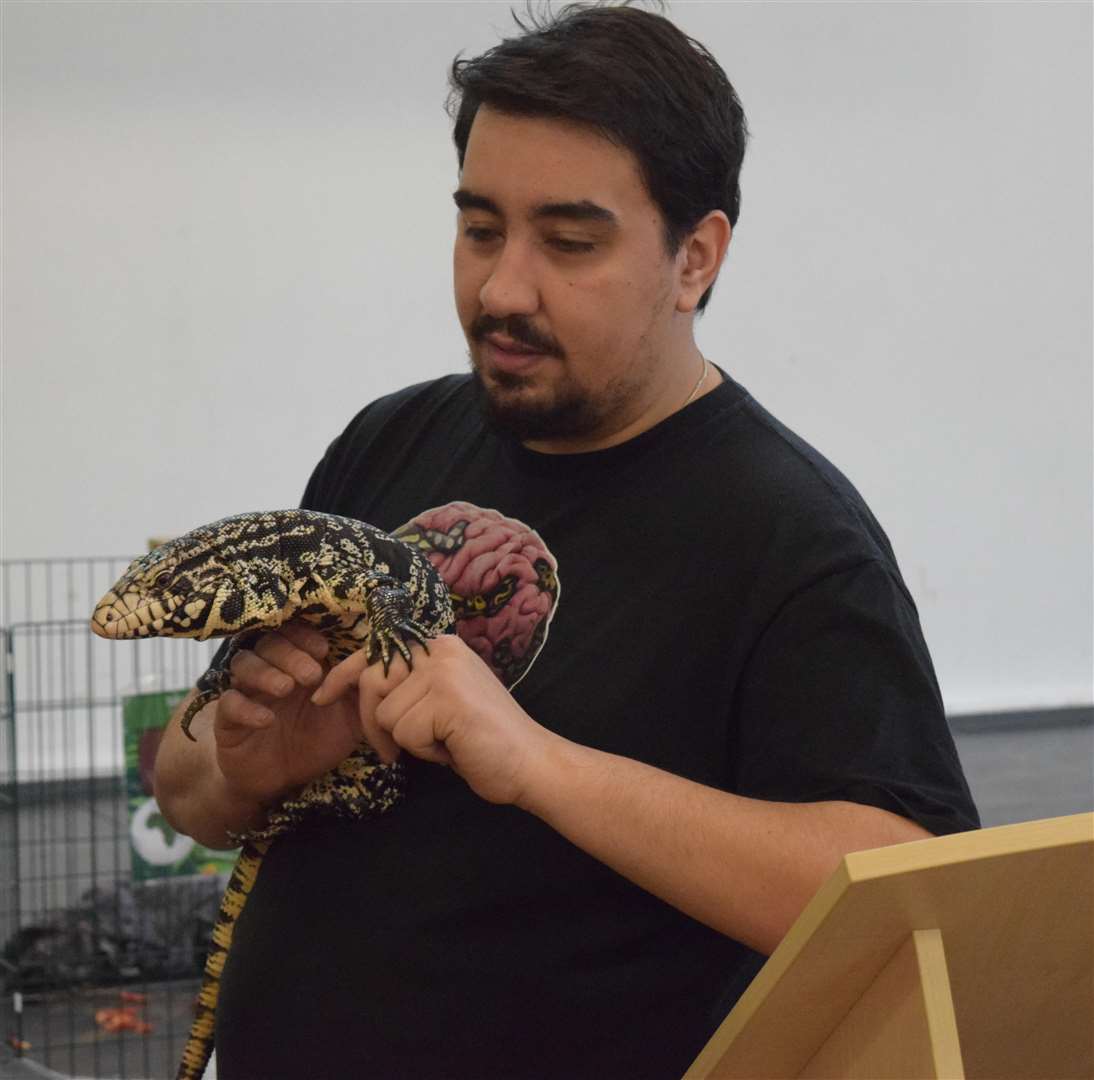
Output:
x=839 y=701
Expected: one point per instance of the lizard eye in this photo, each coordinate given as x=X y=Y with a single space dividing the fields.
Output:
x=162 y=580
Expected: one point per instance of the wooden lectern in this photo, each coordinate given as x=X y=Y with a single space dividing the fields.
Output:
x=969 y=955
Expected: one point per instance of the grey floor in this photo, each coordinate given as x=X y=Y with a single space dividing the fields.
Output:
x=1026 y=774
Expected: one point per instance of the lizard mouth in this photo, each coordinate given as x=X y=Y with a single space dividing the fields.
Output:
x=130 y=616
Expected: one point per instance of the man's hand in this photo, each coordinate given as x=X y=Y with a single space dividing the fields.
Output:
x=450 y=709
x=258 y=742
x=269 y=737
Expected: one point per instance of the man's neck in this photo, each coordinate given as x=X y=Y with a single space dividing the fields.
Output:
x=703 y=378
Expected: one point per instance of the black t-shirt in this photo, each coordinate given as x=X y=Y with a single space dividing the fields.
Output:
x=729 y=611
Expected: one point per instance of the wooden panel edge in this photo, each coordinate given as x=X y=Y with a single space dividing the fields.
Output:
x=749 y=1003
x=938 y=1004
x=990 y=843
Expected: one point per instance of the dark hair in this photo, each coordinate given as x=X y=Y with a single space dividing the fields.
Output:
x=641 y=83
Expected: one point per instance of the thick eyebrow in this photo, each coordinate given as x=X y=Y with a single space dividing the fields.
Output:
x=573 y=211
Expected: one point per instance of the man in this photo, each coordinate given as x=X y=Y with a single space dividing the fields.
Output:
x=733 y=691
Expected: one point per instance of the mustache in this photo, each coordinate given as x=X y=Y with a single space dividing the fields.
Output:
x=516 y=329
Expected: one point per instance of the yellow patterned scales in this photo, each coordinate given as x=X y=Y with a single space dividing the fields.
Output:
x=240 y=577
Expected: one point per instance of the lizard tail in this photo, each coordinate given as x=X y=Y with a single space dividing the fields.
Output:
x=199 y=1044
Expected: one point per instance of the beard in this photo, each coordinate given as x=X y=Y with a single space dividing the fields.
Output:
x=507 y=410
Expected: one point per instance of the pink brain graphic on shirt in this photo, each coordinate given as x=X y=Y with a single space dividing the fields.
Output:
x=502 y=580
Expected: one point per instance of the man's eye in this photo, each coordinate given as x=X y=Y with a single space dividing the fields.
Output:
x=478 y=235
x=571 y=247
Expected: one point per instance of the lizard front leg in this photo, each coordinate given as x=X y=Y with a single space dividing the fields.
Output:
x=391 y=623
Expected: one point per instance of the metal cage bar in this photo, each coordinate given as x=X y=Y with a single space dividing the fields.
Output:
x=99 y=963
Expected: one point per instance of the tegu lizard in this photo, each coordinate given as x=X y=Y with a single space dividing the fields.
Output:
x=242 y=576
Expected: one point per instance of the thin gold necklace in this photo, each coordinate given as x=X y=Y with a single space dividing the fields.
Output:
x=695 y=389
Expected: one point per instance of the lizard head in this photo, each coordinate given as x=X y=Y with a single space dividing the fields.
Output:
x=215 y=581
x=146 y=600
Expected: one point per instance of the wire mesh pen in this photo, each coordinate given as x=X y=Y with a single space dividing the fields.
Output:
x=104 y=911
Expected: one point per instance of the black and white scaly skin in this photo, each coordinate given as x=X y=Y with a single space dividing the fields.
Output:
x=247 y=574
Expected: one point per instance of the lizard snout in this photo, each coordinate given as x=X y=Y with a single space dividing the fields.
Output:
x=108 y=618
x=128 y=616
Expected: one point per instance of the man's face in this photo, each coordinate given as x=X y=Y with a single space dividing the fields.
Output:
x=594 y=296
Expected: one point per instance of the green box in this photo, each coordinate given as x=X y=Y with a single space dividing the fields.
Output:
x=157 y=850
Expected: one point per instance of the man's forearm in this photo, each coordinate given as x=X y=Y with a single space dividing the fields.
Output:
x=190 y=789
x=743 y=866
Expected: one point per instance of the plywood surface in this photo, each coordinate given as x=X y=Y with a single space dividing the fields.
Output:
x=901 y=1027
x=1015 y=907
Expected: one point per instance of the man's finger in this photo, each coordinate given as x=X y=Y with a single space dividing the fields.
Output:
x=373 y=689
x=340 y=678
x=237 y=709
x=414 y=731
x=307 y=638
x=390 y=706
x=379 y=740
x=254 y=674
x=280 y=651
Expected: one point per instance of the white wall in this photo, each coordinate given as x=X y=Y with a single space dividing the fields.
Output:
x=226 y=226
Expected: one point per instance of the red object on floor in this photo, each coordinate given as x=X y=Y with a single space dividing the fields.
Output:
x=124 y=1019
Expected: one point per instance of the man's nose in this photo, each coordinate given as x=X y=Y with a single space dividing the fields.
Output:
x=511 y=288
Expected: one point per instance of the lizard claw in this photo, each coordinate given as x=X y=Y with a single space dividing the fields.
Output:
x=398 y=637
x=194 y=708
x=214 y=682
